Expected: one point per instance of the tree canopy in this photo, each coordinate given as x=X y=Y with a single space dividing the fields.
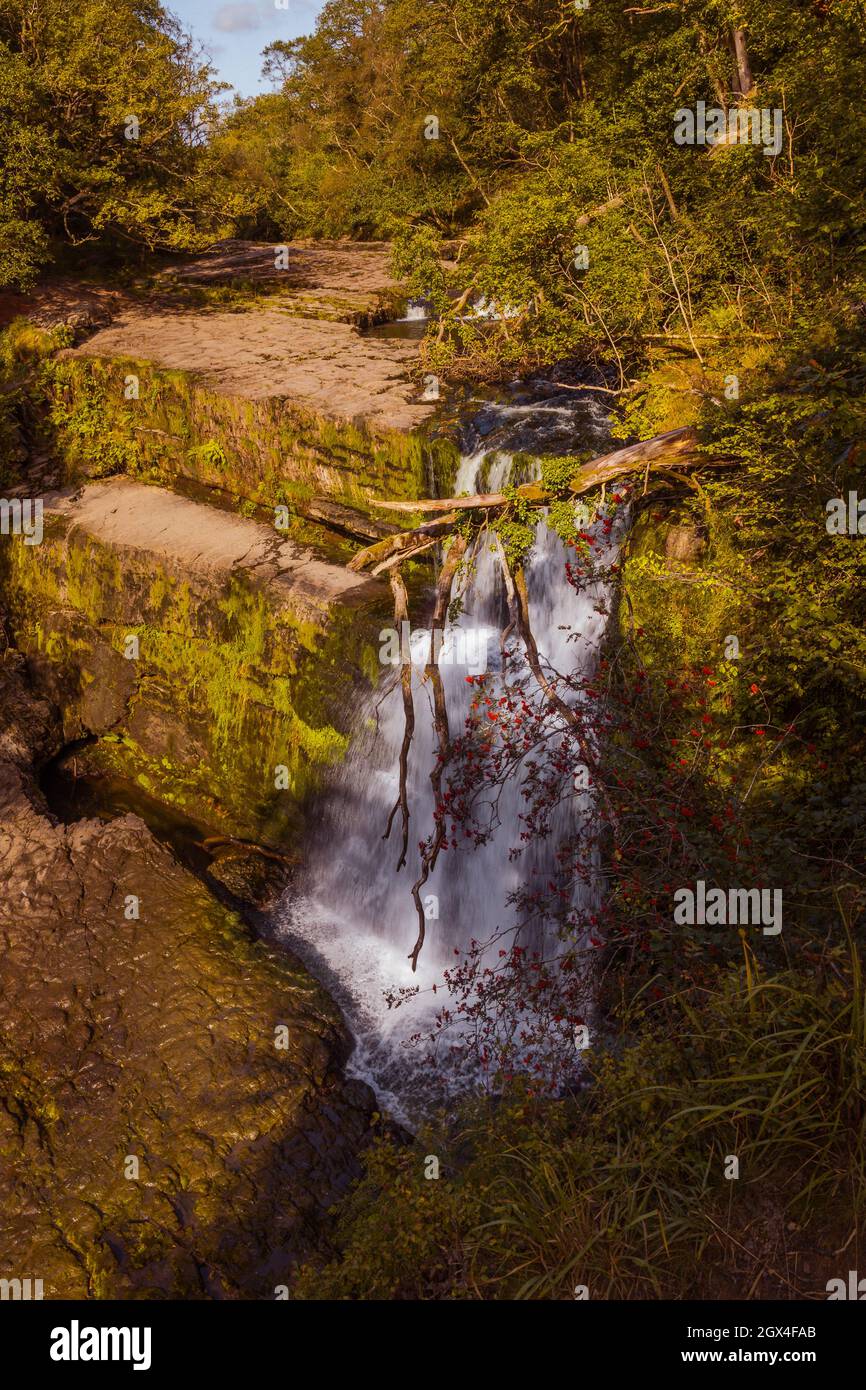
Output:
x=555 y=132
x=105 y=110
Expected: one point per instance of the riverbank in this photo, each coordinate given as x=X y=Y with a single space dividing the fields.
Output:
x=177 y=1120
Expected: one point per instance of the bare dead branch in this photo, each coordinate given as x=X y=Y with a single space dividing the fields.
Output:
x=430 y=853
x=395 y=544
x=401 y=616
x=609 y=206
x=678 y=444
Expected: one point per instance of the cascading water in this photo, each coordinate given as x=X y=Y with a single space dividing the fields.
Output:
x=352 y=918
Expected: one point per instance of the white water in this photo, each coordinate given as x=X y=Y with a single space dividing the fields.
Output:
x=353 y=920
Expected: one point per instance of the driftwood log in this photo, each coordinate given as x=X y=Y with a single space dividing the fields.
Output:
x=401 y=546
x=349 y=521
x=677 y=446
x=669 y=454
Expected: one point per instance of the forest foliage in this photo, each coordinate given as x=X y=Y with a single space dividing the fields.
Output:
x=105 y=112
x=546 y=112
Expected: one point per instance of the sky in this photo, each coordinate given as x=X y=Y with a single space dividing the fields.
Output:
x=235 y=34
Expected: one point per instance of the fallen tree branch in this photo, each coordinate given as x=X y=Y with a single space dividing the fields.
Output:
x=605 y=390
x=408 y=554
x=675 y=444
x=609 y=206
x=394 y=544
x=350 y=521
x=664 y=454
x=454 y=310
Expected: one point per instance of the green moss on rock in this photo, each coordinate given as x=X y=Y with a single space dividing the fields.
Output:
x=228 y=685
x=268 y=451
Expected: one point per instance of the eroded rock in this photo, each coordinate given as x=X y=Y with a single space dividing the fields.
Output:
x=215 y=660
x=153 y=1139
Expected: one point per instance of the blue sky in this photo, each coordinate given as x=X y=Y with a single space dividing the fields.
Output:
x=235 y=33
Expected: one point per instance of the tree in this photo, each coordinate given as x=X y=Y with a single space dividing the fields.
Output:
x=105 y=108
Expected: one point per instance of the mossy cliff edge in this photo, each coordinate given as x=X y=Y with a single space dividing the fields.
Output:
x=248 y=654
x=268 y=451
x=219 y=691
x=213 y=662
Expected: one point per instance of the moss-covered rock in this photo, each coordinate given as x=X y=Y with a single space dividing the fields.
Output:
x=214 y=687
x=269 y=450
x=677 y=592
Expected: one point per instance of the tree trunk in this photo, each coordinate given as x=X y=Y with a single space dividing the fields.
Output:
x=664 y=454
x=395 y=544
x=743 y=82
x=347 y=520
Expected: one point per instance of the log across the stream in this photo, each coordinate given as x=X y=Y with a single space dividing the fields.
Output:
x=676 y=449
x=665 y=453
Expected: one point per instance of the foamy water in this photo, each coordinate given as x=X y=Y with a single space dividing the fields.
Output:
x=352 y=917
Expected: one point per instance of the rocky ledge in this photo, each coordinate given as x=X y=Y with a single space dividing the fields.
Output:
x=299 y=343
x=174 y=1122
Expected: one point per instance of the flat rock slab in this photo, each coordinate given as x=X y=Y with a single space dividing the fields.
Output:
x=354 y=266
x=296 y=342
x=197 y=537
x=64 y=301
x=339 y=278
x=327 y=367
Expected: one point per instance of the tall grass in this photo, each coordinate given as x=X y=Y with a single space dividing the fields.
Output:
x=624 y=1190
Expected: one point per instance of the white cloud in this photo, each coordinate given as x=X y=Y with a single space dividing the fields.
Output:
x=230 y=19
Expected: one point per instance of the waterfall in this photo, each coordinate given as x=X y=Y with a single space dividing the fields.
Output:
x=351 y=917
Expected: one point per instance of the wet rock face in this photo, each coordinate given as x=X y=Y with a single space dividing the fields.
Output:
x=172 y=1120
x=215 y=661
x=684 y=545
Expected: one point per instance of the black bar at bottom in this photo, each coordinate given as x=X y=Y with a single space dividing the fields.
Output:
x=63 y=1339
